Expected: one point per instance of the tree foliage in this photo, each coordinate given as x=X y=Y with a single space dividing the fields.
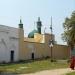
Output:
x=69 y=30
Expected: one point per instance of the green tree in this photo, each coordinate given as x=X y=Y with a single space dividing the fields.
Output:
x=69 y=30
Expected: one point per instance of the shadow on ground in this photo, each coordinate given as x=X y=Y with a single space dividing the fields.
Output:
x=8 y=74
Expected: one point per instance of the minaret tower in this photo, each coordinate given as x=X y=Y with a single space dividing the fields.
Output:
x=39 y=24
x=21 y=41
x=21 y=24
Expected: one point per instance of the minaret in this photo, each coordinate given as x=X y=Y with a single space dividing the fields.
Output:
x=39 y=24
x=21 y=25
x=21 y=41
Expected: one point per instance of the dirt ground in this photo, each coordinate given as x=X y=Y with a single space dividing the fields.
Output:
x=52 y=72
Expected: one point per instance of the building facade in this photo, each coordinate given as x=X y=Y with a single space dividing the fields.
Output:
x=15 y=47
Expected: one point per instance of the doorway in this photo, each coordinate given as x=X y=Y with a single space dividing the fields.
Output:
x=12 y=56
x=32 y=56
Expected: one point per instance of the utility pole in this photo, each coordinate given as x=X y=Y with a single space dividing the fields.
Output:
x=51 y=40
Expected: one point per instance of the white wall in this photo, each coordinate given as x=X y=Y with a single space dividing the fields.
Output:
x=8 y=42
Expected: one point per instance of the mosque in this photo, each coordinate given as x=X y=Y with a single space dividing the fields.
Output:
x=15 y=47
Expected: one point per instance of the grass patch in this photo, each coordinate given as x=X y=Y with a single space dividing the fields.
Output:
x=72 y=73
x=32 y=66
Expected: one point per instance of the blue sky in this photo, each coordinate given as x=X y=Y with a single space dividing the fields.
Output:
x=30 y=10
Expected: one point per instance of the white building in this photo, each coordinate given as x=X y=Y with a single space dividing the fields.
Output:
x=9 y=44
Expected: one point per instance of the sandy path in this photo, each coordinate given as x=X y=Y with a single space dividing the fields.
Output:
x=52 y=72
